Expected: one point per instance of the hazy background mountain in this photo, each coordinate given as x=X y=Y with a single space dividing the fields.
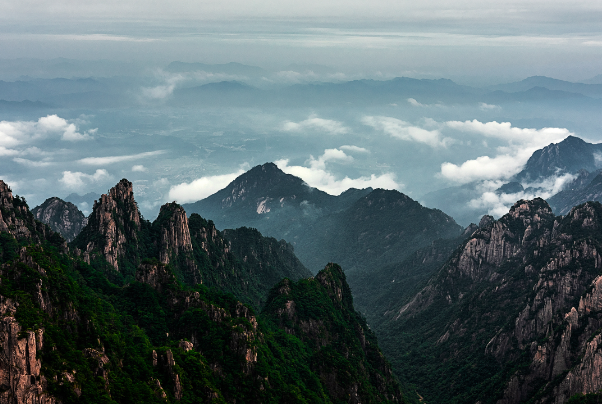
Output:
x=183 y=130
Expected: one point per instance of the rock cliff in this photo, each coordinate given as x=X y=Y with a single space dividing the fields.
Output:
x=516 y=306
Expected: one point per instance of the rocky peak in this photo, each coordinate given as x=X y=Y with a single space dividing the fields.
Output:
x=174 y=231
x=6 y=195
x=116 y=219
x=485 y=220
x=333 y=279
x=63 y=217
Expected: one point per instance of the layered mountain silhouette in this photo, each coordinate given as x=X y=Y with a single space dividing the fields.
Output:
x=359 y=229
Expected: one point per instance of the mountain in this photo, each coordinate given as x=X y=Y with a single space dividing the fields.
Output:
x=62 y=217
x=581 y=190
x=232 y=68
x=592 y=90
x=71 y=335
x=568 y=156
x=359 y=229
x=118 y=239
x=319 y=312
x=512 y=316
x=83 y=202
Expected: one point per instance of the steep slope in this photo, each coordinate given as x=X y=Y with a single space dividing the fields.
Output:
x=62 y=217
x=117 y=235
x=319 y=312
x=579 y=192
x=380 y=228
x=511 y=317
x=69 y=335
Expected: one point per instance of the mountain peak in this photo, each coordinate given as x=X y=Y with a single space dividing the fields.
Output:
x=6 y=195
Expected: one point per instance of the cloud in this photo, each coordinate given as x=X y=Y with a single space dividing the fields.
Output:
x=415 y=103
x=138 y=168
x=201 y=188
x=504 y=130
x=17 y=133
x=486 y=168
x=355 y=149
x=99 y=161
x=314 y=123
x=77 y=180
x=499 y=204
x=510 y=160
x=317 y=176
x=488 y=107
x=31 y=163
x=403 y=130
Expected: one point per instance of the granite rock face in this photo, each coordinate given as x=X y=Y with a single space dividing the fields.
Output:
x=115 y=221
x=522 y=291
x=62 y=217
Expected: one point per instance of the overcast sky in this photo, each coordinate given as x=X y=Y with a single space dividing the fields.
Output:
x=430 y=38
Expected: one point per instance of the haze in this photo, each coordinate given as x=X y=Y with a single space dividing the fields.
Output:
x=181 y=131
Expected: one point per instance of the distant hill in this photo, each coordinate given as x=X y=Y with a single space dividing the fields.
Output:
x=232 y=68
x=359 y=229
x=591 y=90
x=568 y=156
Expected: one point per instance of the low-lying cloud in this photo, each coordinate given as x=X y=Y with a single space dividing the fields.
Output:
x=315 y=124
x=317 y=175
x=201 y=188
x=498 y=204
x=510 y=159
x=399 y=129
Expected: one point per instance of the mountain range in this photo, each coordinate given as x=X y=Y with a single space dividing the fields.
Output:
x=133 y=311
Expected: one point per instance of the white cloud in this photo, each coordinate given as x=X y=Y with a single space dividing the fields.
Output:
x=313 y=123
x=77 y=180
x=317 y=176
x=415 y=103
x=201 y=188
x=138 y=168
x=499 y=204
x=504 y=130
x=510 y=160
x=403 y=130
x=31 y=163
x=488 y=107
x=99 y=161
x=355 y=149
x=17 y=133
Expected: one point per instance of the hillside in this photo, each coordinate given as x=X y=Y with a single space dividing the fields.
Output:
x=512 y=316
x=72 y=335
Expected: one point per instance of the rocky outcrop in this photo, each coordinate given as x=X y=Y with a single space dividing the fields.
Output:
x=20 y=379
x=528 y=288
x=175 y=234
x=62 y=217
x=115 y=221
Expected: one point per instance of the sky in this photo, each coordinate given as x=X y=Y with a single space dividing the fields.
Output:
x=126 y=120
x=469 y=40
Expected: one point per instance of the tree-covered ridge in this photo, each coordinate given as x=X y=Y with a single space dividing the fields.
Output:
x=69 y=334
x=319 y=312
